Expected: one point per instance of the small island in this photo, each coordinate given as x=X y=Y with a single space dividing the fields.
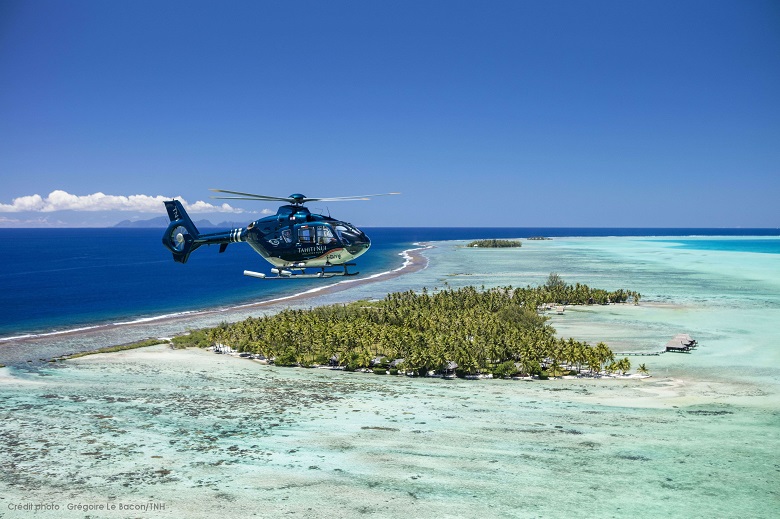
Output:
x=532 y=238
x=495 y=244
x=466 y=332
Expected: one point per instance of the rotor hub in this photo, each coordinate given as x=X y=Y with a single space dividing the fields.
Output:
x=297 y=198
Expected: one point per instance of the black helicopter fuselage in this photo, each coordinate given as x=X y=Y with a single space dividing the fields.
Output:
x=296 y=236
x=293 y=237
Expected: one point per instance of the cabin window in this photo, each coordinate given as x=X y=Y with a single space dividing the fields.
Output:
x=324 y=235
x=306 y=235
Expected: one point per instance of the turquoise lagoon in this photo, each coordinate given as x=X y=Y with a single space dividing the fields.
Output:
x=201 y=434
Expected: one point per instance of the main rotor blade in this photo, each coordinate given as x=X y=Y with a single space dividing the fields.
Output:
x=251 y=196
x=347 y=198
x=248 y=198
x=290 y=200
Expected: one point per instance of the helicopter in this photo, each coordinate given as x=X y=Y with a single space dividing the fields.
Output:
x=292 y=241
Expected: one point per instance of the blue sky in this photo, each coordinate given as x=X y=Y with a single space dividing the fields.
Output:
x=560 y=113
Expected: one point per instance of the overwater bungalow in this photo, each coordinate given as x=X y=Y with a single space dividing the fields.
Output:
x=681 y=343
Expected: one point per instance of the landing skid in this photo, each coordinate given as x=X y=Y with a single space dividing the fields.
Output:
x=294 y=272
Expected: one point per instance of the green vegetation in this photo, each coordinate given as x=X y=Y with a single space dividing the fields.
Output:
x=194 y=339
x=495 y=244
x=495 y=331
x=554 y=282
x=109 y=349
x=620 y=366
x=557 y=291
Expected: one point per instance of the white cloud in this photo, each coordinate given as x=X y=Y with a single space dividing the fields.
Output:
x=63 y=201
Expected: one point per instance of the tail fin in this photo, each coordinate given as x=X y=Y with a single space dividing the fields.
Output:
x=181 y=235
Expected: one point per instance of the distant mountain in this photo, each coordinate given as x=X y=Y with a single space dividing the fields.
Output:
x=161 y=222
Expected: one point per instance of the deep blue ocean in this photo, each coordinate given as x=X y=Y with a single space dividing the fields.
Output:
x=55 y=279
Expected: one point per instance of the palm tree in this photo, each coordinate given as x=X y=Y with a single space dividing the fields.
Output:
x=603 y=354
x=555 y=369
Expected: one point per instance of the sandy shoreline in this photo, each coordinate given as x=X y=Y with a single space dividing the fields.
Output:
x=98 y=336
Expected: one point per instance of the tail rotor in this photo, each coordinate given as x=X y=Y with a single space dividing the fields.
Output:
x=181 y=235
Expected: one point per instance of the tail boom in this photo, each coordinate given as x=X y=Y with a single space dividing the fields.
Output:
x=182 y=237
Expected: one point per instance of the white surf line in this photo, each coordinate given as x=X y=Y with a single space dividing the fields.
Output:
x=158 y=317
x=408 y=260
x=67 y=331
x=49 y=334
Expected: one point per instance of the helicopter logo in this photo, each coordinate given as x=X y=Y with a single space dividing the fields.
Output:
x=293 y=240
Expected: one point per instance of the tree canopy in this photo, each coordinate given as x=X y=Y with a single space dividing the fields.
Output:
x=495 y=244
x=483 y=331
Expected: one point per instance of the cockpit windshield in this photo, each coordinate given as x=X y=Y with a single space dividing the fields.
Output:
x=347 y=234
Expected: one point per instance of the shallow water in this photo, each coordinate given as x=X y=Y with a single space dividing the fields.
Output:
x=202 y=434
x=728 y=300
